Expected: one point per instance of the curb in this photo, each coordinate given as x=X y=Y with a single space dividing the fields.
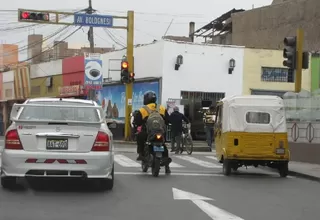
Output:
x=295 y=174
x=304 y=176
x=124 y=144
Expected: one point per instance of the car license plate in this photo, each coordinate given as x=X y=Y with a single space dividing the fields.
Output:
x=57 y=144
x=158 y=149
x=280 y=151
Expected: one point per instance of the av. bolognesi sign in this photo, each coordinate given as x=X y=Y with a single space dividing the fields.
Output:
x=75 y=90
x=93 y=20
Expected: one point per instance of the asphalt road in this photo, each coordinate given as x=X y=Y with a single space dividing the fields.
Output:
x=252 y=194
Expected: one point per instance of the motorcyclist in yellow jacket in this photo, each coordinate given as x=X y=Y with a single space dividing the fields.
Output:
x=140 y=119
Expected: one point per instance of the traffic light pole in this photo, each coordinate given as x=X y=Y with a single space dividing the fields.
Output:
x=129 y=86
x=298 y=75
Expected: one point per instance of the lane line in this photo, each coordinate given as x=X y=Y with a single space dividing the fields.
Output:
x=198 y=162
x=125 y=161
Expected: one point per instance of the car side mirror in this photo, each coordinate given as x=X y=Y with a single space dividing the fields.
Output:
x=112 y=125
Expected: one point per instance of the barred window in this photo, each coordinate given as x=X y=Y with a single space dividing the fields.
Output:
x=272 y=74
x=258 y=118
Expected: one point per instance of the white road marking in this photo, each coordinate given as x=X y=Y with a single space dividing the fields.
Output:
x=125 y=161
x=199 y=162
x=175 y=165
x=179 y=194
x=212 y=211
x=212 y=158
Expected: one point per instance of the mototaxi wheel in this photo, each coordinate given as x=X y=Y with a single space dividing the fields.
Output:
x=226 y=167
x=284 y=169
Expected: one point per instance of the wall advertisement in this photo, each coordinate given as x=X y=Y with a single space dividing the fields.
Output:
x=113 y=97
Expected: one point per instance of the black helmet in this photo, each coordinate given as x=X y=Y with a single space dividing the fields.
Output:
x=149 y=97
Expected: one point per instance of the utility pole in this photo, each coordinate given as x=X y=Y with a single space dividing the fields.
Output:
x=91 y=92
x=90 y=33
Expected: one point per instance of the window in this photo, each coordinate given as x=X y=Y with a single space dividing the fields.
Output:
x=258 y=118
x=56 y=113
x=272 y=74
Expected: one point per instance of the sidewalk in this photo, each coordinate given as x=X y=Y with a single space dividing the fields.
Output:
x=305 y=170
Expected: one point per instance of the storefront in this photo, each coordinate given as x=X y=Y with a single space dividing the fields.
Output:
x=75 y=91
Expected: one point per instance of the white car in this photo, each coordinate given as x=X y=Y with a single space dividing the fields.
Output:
x=53 y=137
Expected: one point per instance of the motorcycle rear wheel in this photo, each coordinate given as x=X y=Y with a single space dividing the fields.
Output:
x=156 y=167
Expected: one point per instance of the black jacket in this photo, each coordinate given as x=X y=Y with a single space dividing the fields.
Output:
x=176 y=119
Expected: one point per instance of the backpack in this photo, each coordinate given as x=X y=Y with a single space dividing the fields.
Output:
x=155 y=122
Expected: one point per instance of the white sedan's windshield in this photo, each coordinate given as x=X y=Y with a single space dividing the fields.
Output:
x=45 y=112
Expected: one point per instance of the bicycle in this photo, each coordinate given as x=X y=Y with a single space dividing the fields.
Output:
x=186 y=139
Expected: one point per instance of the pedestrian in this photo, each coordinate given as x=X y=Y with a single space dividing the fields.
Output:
x=176 y=118
x=209 y=120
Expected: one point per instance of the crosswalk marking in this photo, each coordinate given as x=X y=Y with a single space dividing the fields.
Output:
x=125 y=161
x=198 y=162
x=175 y=165
x=212 y=158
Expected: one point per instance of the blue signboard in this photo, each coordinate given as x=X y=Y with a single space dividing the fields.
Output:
x=113 y=98
x=93 y=20
x=272 y=74
x=93 y=77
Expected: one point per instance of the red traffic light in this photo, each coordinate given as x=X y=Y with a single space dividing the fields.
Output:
x=132 y=75
x=124 y=65
x=25 y=15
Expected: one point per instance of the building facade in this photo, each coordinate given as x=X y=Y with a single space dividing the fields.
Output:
x=264 y=73
x=9 y=54
x=46 y=78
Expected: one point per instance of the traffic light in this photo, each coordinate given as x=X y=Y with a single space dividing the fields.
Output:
x=131 y=77
x=124 y=78
x=290 y=52
x=33 y=16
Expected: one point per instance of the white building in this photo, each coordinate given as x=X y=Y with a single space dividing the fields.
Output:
x=205 y=68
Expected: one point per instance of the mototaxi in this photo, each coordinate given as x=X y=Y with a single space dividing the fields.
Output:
x=251 y=131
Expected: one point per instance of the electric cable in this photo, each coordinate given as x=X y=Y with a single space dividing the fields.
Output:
x=113 y=38
x=55 y=44
x=26 y=47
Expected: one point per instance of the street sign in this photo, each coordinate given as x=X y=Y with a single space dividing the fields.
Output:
x=93 y=77
x=93 y=20
x=212 y=211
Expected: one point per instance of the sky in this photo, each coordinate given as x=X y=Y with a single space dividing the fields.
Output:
x=152 y=19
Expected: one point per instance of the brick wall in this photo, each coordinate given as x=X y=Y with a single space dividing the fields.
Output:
x=267 y=26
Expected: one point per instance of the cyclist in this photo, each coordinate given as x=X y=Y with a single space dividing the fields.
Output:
x=176 y=118
x=140 y=119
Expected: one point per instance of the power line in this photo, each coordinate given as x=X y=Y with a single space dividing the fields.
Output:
x=23 y=48
x=55 y=44
x=113 y=38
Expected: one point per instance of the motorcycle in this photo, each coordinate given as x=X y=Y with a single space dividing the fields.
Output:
x=154 y=155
